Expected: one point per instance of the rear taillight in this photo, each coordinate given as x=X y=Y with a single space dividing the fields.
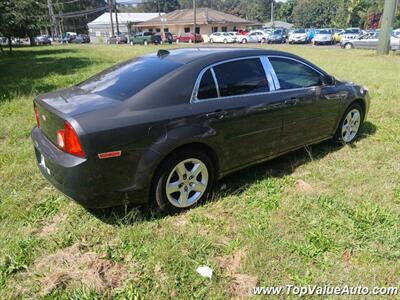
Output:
x=36 y=114
x=68 y=140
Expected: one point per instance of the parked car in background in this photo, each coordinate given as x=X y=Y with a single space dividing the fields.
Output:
x=118 y=39
x=43 y=40
x=112 y=139
x=324 y=36
x=298 y=36
x=221 y=37
x=166 y=37
x=351 y=33
x=239 y=38
x=370 y=41
x=3 y=40
x=144 y=38
x=189 y=38
x=396 y=32
x=80 y=39
x=278 y=36
x=256 y=36
x=337 y=35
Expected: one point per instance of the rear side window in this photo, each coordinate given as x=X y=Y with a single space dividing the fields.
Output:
x=292 y=74
x=123 y=81
x=246 y=76
x=207 y=88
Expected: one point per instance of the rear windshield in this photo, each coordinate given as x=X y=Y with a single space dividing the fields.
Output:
x=123 y=81
x=324 y=31
x=300 y=31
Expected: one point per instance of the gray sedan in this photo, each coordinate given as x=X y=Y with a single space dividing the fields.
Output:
x=369 y=41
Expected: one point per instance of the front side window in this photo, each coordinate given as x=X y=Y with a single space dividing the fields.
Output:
x=292 y=74
x=245 y=76
x=207 y=88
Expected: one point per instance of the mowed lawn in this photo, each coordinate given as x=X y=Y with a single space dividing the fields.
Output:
x=327 y=214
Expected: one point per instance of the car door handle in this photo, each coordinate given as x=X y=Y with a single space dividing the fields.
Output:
x=291 y=101
x=218 y=114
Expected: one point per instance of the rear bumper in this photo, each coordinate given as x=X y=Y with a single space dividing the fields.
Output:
x=79 y=178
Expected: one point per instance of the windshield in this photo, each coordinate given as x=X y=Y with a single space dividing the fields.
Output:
x=324 y=31
x=277 y=31
x=300 y=31
x=351 y=30
x=124 y=80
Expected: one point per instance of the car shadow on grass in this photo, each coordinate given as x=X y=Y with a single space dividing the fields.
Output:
x=235 y=183
x=26 y=72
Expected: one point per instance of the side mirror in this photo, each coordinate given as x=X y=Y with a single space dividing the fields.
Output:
x=329 y=80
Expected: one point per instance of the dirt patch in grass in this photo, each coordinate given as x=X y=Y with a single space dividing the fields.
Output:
x=71 y=266
x=304 y=187
x=241 y=285
x=52 y=227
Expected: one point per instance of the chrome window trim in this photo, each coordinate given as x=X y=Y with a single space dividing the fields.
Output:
x=271 y=73
x=296 y=60
x=215 y=82
x=194 y=98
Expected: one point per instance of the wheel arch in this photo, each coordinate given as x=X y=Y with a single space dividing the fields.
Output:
x=207 y=149
x=360 y=102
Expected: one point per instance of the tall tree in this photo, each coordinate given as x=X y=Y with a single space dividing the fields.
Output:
x=315 y=13
x=21 y=18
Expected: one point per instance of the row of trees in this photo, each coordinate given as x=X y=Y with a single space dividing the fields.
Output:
x=29 y=18
x=303 y=13
x=338 y=13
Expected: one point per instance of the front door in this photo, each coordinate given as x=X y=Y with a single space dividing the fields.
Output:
x=300 y=88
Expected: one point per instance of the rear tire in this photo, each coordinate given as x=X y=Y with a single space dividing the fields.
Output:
x=350 y=124
x=244 y=41
x=183 y=180
x=145 y=43
x=348 y=46
x=211 y=41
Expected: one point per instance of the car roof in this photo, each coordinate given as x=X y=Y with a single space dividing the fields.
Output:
x=214 y=54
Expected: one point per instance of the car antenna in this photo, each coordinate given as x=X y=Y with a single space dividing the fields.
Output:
x=162 y=53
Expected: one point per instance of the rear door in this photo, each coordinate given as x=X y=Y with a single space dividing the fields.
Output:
x=245 y=116
x=311 y=107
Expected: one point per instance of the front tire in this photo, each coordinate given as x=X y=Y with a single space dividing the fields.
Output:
x=350 y=124
x=183 y=180
x=244 y=41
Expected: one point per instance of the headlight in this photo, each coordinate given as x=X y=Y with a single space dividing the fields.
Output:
x=363 y=90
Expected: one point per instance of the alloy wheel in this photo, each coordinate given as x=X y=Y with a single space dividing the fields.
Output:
x=187 y=182
x=350 y=125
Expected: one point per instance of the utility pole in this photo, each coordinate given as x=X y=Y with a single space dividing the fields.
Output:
x=194 y=19
x=389 y=12
x=111 y=18
x=52 y=17
x=272 y=13
x=116 y=16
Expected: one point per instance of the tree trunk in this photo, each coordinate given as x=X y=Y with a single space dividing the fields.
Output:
x=31 y=41
x=9 y=45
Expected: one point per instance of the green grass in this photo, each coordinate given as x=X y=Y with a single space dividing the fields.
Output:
x=345 y=231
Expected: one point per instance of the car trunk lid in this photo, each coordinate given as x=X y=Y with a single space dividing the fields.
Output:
x=55 y=108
